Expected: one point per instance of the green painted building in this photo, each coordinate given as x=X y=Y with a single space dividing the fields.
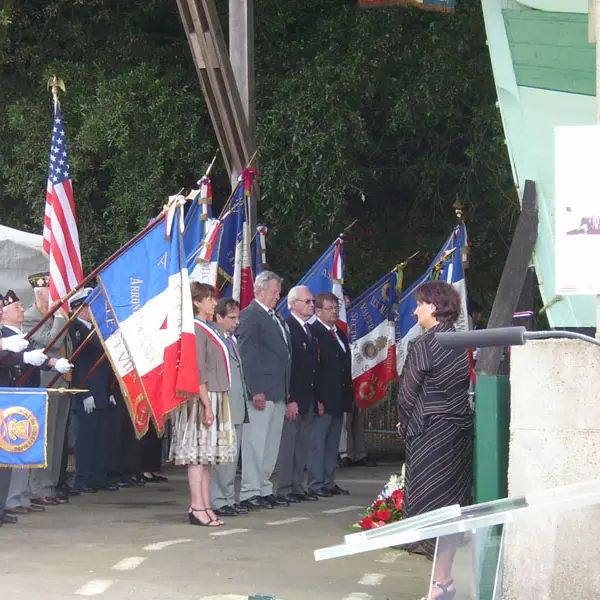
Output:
x=544 y=70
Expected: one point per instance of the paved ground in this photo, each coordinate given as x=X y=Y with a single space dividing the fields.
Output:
x=136 y=543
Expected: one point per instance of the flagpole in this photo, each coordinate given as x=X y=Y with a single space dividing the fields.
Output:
x=53 y=341
x=235 y=189
x=93 y=274
x=74 y=355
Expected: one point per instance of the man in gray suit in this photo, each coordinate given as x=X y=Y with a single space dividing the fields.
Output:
x=43 y=482
x=222 y=486
x=265 y=349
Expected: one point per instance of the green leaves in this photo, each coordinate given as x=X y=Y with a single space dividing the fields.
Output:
x=385 y=115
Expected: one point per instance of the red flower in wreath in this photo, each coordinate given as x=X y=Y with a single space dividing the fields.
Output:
x=384 y=515
x=366 y=523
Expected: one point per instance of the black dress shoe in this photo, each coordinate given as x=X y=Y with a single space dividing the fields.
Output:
x=276 y=500
x=309 y=496
x=322 y=493
x=226 y=511
x=294 y=498
x=109 y=487
x=154 y=478
x=255 y=503
x=336 y=490
x=346 y=462
x=121 y=484
x=8 y=519
x=242 y=510
x=365 y=461
x=133 y=482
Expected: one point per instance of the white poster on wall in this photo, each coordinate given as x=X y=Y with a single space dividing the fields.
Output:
x=577 y=209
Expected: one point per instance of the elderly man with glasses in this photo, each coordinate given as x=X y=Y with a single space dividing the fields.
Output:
x=301 y=406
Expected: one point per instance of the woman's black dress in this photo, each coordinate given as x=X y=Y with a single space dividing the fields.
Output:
x=437 y=424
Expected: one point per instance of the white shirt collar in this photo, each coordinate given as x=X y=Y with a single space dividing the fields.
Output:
x=86 y=323
x=302 y=323
x=13 y=328
x=334 y=328
x=263 y=306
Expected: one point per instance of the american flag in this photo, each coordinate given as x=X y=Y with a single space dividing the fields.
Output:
x=61 y=239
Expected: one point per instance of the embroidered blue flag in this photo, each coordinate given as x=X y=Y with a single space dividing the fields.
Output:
x=23 y=413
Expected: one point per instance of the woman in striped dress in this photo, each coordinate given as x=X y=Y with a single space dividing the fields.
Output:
x=436 y=420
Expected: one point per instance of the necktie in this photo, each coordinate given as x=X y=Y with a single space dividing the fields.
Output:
x=307 y=330
x=230 y=345
x=332 y=331
x=279 y=325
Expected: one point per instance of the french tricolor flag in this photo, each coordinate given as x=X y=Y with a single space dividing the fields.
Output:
x=243 y=280
x=147 y=291
x=372 y=337
x=326 y=275
x=449 y=266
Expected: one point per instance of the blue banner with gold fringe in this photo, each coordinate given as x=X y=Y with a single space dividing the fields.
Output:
x=23 y=413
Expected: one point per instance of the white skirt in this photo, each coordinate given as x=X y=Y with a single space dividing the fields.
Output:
x=195 y=444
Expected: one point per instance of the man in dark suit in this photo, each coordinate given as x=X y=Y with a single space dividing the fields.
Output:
x=265 y=350
x=333 y=391
x=92 y=410
x=301 y=405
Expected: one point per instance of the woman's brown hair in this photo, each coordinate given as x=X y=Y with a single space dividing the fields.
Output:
x=444 y=297
x=201 y=291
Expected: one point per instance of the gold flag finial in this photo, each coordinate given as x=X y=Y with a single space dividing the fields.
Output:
x=55 y=84
x=458 y=209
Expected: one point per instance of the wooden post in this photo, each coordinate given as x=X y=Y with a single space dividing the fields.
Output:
x=207 y=43
x=513 y=277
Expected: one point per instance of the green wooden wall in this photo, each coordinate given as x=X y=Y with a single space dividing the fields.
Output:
x=551 y=51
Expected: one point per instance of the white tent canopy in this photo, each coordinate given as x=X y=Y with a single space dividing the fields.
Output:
x=20 y=256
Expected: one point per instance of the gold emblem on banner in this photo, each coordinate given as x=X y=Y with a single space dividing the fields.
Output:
x=19 y=429
x=366 y=390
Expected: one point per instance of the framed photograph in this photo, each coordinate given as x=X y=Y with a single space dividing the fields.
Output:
x=577 y=209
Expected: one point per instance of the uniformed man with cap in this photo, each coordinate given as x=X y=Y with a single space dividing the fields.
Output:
x=93 y=409
x=13 y=369
x=12 y=345
x=43 y=482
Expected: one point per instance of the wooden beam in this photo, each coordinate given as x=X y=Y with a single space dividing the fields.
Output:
x=207 y=43
x=513 y=277
x=241 y=54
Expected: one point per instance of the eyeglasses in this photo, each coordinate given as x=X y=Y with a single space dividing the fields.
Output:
x=331 y=309
x=307 y=301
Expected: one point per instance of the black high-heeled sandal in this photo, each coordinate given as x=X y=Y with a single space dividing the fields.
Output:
x=448 y=591
x=216 y=519
x=194 y=520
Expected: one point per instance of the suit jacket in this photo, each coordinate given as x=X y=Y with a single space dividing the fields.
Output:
x=98 y=383
x=238 y=394
x=304 y=367
x=212 y=367
x=265 y=355
x=334 y=375
x=12 y=367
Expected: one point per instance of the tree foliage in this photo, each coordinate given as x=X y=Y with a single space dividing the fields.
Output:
x=383 y=116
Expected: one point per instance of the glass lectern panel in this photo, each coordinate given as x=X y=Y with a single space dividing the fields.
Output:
x=471 y=548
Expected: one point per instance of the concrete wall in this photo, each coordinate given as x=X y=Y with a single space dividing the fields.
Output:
x=554 y=441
